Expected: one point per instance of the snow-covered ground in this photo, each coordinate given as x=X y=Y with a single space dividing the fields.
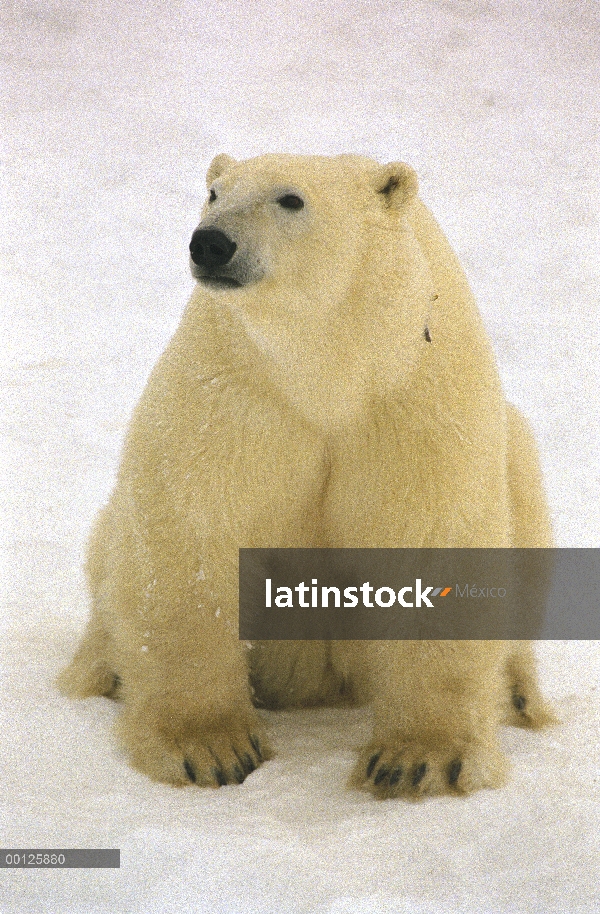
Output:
x=112 y=112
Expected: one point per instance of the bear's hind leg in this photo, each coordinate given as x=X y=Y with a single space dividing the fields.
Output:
x=530 y=517
x=90 y=672
x=526 y=705
x=297 y=674
x=531 y=529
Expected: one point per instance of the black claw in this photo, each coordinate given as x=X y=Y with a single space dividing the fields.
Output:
x=189 y=770
x=381 y=775
x=419 y=774
x=219 y=776
x=245 y=761
x=454 y=771
x=256 y=746
x=372 y=762
x=114 y=688
x=238 y=774
x=519 y=701
x=248 y=764
x=395 y=776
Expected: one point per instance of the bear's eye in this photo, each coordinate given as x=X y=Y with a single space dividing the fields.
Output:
x=291 y=201
x=212 y=196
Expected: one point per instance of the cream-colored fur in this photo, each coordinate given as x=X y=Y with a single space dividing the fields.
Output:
x=306 y=407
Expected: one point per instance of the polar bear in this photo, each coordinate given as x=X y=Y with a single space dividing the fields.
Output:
x=330 y=384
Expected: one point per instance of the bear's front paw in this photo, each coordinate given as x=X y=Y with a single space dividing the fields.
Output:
x=412 y=769
x=220 y=752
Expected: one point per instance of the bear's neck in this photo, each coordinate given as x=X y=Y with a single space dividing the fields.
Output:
x=329 y=366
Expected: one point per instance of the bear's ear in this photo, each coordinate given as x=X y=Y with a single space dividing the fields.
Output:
x=397 y=183
x=218 y=165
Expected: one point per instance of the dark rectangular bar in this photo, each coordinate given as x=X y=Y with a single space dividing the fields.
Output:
x=419 y=594
x=59 y=858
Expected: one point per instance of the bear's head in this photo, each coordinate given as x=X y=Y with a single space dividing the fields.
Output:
x=291 y=219
x=315 y=257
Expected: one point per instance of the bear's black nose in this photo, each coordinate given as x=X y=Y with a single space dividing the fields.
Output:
x=211 y=248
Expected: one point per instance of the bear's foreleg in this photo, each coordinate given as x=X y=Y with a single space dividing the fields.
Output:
x=187 y=715
x=436 y=719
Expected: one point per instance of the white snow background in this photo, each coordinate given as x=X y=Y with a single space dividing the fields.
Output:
x=112 y=112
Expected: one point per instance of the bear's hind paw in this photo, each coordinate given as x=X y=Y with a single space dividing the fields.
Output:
x=530 y=710
x=85 y=680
